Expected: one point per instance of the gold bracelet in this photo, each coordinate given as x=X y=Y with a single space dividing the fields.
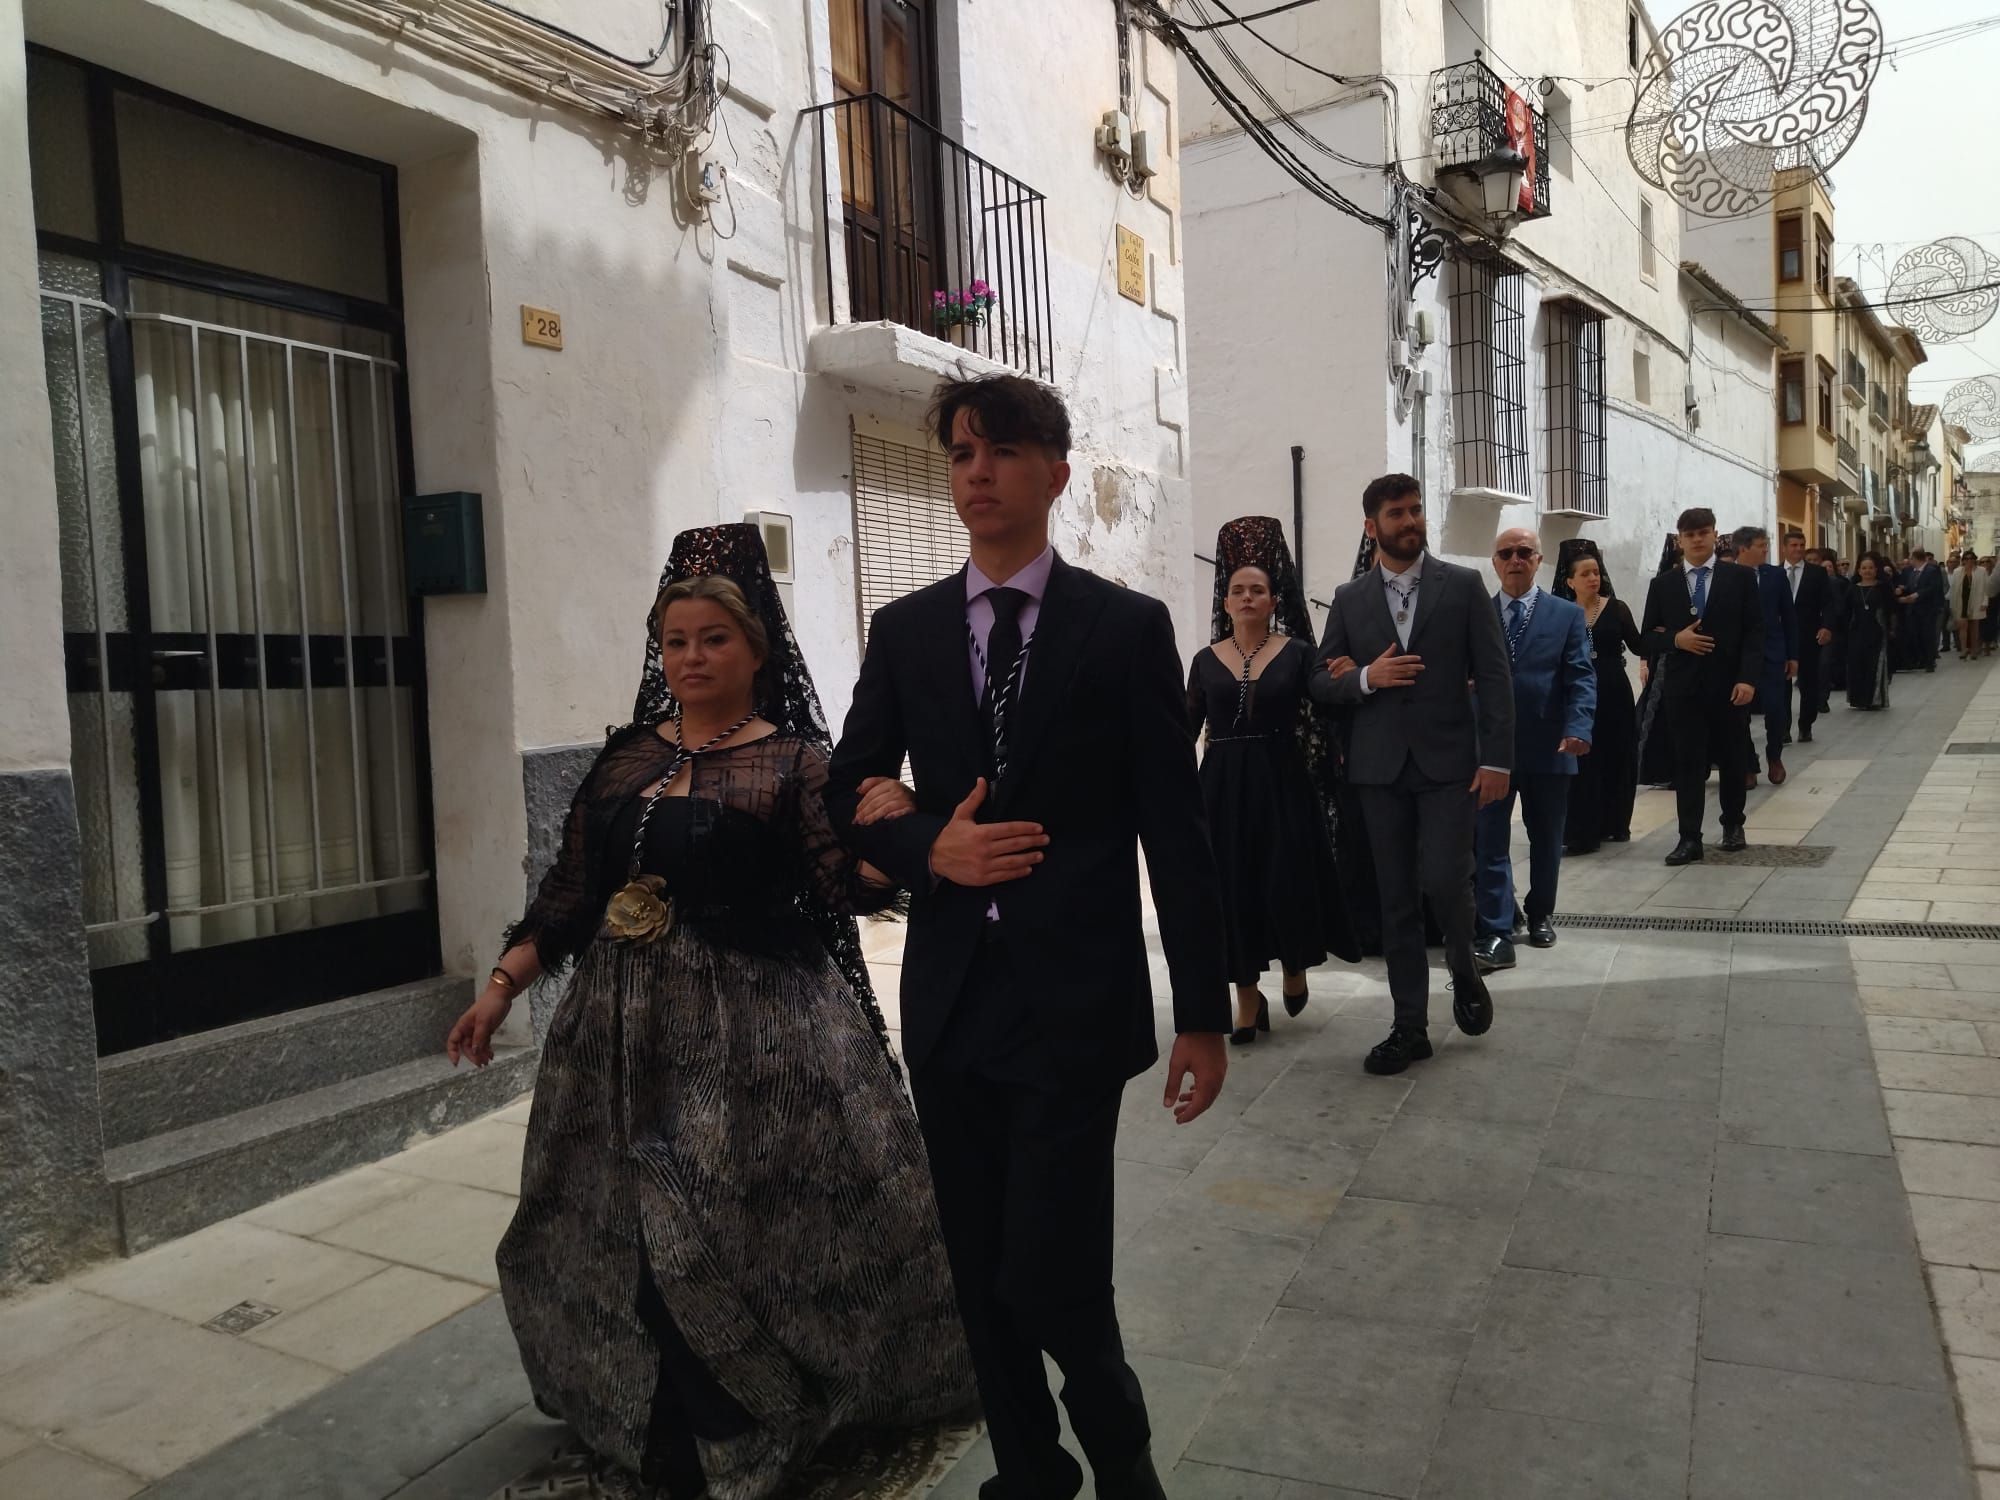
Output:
x=506 y=979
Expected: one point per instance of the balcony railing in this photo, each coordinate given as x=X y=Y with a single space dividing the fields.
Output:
x=1469 y=111
x=1878 y=404
x=937 y=239
x=1850 y=457
x=1853 y=380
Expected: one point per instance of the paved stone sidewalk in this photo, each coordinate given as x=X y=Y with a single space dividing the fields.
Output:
x=1647 y=1238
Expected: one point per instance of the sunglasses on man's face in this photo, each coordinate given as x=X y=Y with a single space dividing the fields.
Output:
x=1506 y=553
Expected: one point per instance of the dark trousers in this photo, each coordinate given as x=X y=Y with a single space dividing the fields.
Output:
x=1833 y=666
x=1774 y=700
x=1811 y=684
x=1421 y=835
x=1544 y=809
x=1021 y=1157
x=1707 y=734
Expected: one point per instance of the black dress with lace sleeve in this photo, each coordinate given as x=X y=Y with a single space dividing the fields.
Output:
x=750 y=838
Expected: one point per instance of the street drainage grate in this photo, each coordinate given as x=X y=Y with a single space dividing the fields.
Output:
x=1586 y=921
x=241 y=1318
x=1774 y=856
x=1982 y=747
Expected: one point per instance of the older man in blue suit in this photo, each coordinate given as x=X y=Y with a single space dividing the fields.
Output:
x=1555 y=704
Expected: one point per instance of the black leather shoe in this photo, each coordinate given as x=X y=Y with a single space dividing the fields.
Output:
x=1542 y=934
x=1493 y=952
x=1140 y=1481
x=1397 y=1051
x=1734 y=841
x=1471 y=1006
x=1062 y=1485
x=1295 y=1004
x=1686 y=852
x=1805 y=736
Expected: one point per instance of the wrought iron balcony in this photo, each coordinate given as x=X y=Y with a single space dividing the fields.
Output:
x=1850 y=457
x=1878 y=405
x=1853 y=380
x=937 y=239
x=1471 y=110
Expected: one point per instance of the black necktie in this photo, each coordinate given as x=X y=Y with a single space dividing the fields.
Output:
x=1003 y=669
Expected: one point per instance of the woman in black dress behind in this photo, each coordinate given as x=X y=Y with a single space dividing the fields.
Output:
x=1868 y=632
x=1259 y=777
x=1607 y=780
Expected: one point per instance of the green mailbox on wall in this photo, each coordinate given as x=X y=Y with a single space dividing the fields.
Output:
x=444 y=543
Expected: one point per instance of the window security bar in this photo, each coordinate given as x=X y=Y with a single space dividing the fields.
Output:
x=258 y=646
x=1489 y=398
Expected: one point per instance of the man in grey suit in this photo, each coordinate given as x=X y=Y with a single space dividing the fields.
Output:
x=1424 y=755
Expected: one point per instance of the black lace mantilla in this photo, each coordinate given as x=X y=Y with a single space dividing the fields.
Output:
x=1259 y=542
x=785 y=696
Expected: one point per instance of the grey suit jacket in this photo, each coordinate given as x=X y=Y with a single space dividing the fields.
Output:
x=1435 y=722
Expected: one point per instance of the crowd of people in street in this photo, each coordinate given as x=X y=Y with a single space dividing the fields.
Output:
x=740 y=1232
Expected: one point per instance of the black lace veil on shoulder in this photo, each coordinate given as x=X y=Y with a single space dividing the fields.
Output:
x=785 y=696
x=1568 y=555
x=785 y=692
x=1259 y=542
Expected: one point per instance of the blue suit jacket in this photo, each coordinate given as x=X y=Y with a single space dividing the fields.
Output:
x=1781 y=620
x=1555 y=686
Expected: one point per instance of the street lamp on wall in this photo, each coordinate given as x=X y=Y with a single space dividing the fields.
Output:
x=1503 y=173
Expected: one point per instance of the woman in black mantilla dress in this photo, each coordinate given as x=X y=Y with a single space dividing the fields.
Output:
x=1607 y=780
x=726 y=1246
x=1260 y=777
x=1868 y=632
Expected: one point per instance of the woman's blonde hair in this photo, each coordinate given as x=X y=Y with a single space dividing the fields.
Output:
x=723 y=591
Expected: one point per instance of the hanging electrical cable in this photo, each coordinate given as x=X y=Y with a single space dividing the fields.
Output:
x=1169 y=30
x=673 y=109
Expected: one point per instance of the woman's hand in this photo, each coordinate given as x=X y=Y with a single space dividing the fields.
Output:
x=882 y=799
x=472 y=1037
x=1340 y=666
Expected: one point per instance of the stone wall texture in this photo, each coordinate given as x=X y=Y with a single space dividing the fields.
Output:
x=55 y=1208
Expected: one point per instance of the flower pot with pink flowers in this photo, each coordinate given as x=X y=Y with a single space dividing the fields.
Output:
x=963 y=309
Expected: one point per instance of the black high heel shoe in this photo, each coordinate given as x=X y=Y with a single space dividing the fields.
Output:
x=1242 y=1036
x=1294 y=1004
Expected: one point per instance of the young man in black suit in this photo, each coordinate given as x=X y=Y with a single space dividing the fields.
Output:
x=1811 y=605
x=1424 y=755
x=1044 y=716
x=1704 y=628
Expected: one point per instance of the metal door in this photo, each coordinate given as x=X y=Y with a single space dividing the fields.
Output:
x=243 y=662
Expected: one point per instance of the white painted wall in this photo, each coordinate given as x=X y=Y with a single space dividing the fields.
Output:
x=1288 y=323
x=683 y=395
x=34 y=730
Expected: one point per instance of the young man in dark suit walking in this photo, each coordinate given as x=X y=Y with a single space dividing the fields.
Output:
x=1810 y=589
x=1781 y=651
x=1704 y=628
x=1424 y=755
x=1044 y=717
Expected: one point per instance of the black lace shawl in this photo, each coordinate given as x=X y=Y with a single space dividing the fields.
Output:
x=1259 y=542
x=785 y=696
x=1568 y=554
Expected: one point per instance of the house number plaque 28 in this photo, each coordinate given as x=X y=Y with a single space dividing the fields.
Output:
x=541 y=325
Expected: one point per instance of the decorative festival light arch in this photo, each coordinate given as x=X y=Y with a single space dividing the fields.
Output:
x=1955 y=279
x=1975 y=405
x=1741 y=90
